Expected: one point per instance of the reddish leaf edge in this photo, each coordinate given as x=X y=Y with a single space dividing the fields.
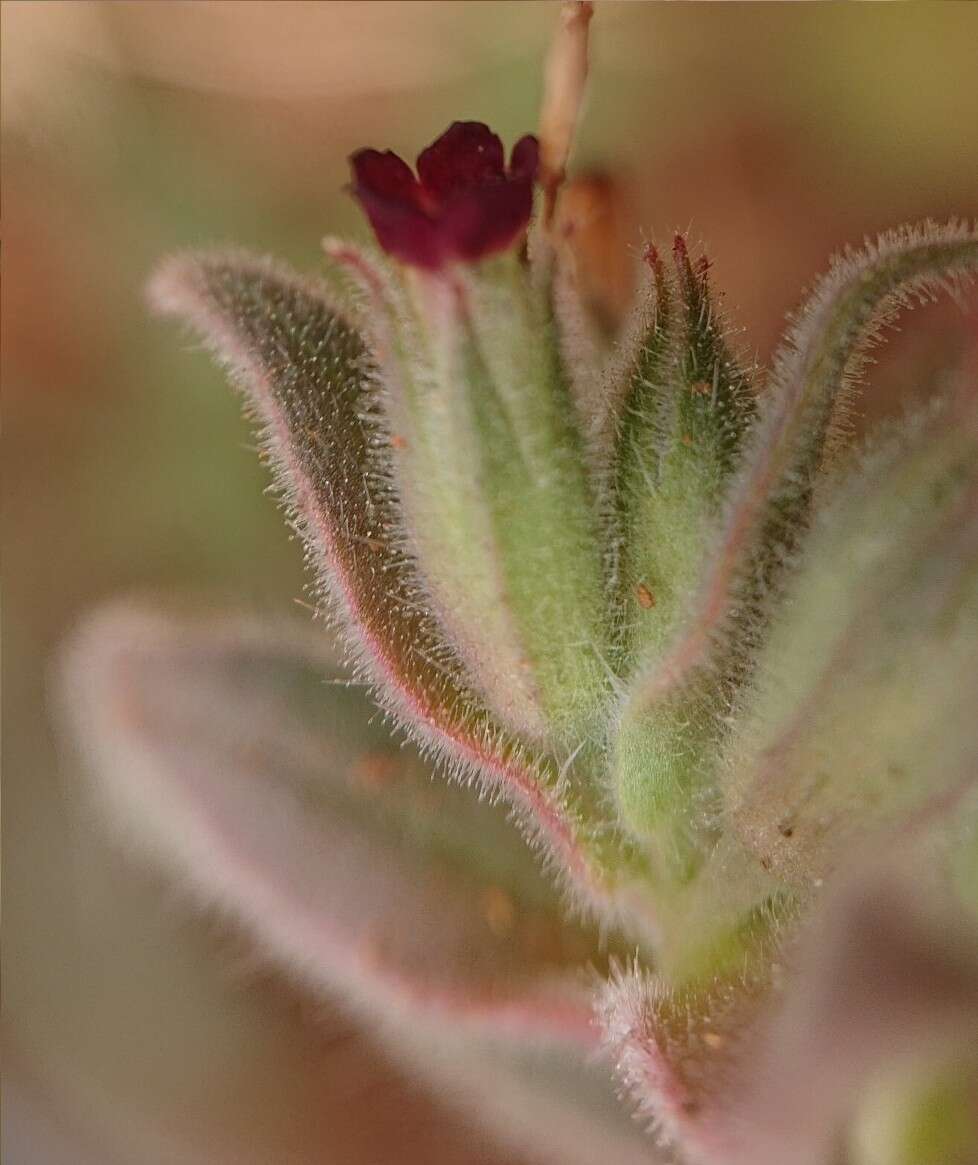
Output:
x=469 y=757
x=93 y=696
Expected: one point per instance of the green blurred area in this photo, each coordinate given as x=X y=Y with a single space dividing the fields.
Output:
x=774 y=132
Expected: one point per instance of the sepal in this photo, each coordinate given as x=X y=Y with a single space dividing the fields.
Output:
x=498 y=511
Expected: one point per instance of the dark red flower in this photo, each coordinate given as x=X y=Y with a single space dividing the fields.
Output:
x=463 y=205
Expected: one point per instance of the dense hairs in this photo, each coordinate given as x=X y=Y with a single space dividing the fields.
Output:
x=599 y=580
x=311 y=384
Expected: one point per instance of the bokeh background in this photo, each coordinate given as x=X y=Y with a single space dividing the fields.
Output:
x=134 y=1031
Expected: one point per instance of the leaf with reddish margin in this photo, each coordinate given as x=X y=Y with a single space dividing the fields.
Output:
x=309 y=379
x=233 y=753
x=243 y=759
x=679 y=1055
x=796 y=426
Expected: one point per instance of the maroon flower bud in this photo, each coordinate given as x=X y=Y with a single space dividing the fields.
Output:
x=464 y=204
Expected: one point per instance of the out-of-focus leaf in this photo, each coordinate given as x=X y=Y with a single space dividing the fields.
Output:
x=860 y=711
x=767 y=1070
x=245 y=762
x=236 y=756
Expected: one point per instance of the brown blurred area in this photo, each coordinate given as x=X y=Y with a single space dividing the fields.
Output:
x=774 y=133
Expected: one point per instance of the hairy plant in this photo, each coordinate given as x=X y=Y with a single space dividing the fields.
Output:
x=718 y=667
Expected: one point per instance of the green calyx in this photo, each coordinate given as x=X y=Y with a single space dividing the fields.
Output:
x=497 y=508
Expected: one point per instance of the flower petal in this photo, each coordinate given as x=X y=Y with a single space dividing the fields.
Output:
x=393 y=201
x=524 y=161
x=487 y=219
x=385 y=175
x=403 y=231
x=466 y=156
x=464 y=206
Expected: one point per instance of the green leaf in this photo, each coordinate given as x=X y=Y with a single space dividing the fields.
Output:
x=813 y=373
x=675 y=712
x=682 y=423
x=684 y=418
x=311 y=384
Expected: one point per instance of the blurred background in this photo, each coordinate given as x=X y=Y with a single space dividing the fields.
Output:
x=775 y=133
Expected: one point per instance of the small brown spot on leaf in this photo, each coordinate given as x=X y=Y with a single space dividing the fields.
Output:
x=687 y=440
x=499 y=910
x=374 y=770
x=646 y=600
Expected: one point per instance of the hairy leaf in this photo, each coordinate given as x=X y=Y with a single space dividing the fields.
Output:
x=814 y=370
x=680 y=1053
x=243 y=760
x=310 y=382
x=765 y=1068
x=235 y=755
x=674 y=714
x=687 y=408
x=860 y=714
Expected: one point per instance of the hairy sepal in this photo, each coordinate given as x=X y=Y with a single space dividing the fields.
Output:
x=238 y=758
x=678 y=704
x=311 y=384
x=497 y=507
x=796 y=429
x=685 y=415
